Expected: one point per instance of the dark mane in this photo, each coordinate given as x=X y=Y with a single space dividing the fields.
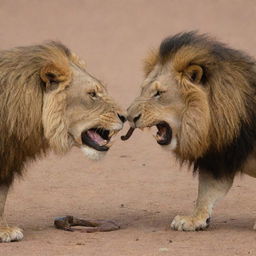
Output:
x=217 y=57
x=232 y=157
x=171 y=45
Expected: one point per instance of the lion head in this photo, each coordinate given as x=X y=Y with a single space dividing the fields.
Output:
x=77 y=109
x=197 y=94
x=50 y=101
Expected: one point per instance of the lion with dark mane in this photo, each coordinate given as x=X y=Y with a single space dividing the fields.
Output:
x=200 y=94
x=48 y=101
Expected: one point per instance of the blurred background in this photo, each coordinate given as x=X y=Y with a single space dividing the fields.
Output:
x=113 y=36
x=137 y=184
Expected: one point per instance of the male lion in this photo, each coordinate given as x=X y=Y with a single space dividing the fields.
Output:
x=200 y=95
x=48 y=101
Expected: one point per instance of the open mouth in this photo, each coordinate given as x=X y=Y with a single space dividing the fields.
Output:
x=163 y=136
x=164 y=133
x=96 y=138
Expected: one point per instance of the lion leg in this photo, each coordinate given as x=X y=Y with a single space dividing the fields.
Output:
x=7 y=234
x=209 y=191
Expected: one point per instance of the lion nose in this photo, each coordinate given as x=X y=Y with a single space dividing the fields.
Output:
x=136 y=118
x=122 y=118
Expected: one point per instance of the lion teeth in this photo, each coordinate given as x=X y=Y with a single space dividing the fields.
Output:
x=157 y=137
x=104 y=142
x=111 y=133
x=110 y=143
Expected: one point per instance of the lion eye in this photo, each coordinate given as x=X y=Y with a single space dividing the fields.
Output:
x=92 y=94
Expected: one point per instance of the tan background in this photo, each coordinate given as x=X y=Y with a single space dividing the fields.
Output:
x=113 y=37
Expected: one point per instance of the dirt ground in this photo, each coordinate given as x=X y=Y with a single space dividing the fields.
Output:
x=137 y=184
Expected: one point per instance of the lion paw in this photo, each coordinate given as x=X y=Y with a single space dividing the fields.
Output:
x=189 y=223
x=9 y=234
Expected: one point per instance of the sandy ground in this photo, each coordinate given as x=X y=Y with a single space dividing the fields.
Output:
x=137 y=184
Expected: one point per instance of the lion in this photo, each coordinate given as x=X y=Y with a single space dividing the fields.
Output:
x=201 y=97
x=48 y=101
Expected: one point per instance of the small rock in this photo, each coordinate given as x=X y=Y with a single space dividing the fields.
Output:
x=80 y=243
x=163 y=249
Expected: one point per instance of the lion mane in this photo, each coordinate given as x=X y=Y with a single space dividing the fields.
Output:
x=32 y=120
x=218 y=126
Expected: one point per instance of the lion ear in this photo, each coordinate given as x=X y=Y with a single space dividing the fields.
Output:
x=52 y=74
x=194 y=73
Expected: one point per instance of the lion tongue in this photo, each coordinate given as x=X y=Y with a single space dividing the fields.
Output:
x=96 y=138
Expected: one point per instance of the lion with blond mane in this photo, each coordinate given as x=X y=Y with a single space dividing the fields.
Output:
x=48 y=101
x=201 y=96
